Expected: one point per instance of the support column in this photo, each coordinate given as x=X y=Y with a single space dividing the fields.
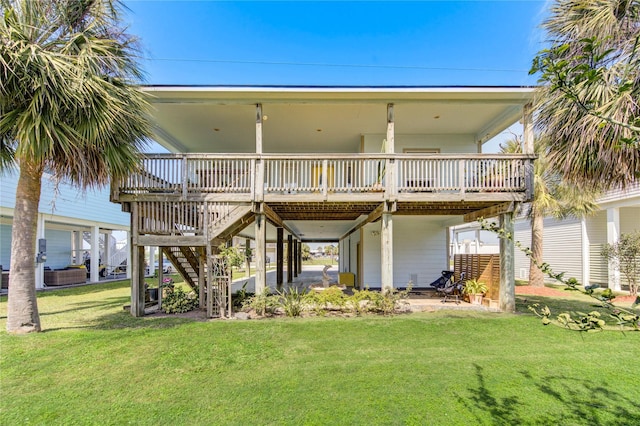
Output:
x=613 y=235
x=40 y=234
x=507 y=267
x=295 y=258
x=95 y=255
x=259 y=171
x=128 y=272
x=391 y=184
x=202 y=277
x=299 y=257
x=386 y=250
x=261 y=250
x=135 y=266
x=586 y=253
x=290 y=258
x=152 y=261
x=247 y=256
x=137 y=282
x=528 y=142
x=107 y=251
x=527 y=125
x=279 y=257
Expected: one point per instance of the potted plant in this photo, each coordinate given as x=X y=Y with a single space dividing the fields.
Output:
x=476 y=290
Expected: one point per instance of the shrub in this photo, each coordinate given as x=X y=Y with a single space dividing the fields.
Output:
x=263 y=303
x=292 y=302
x=330 y=298
x=178 y=301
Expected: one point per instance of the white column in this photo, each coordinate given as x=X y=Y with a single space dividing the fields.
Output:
x=261 y=243
x=128 y=273
x=613 y=235
x=40 y=231
x=107 y=251
x=95 y=255
x=586 y=255
x=527 y=125
x=152 y=260
x=386 y=251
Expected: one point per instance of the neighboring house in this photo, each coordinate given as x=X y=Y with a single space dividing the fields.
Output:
x=383 y=171
x=574 y=245
x=73 y=225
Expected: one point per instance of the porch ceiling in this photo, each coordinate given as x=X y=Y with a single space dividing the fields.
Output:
x=222 y=119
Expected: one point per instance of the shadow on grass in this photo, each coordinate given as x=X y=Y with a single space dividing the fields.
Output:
x=580 y=401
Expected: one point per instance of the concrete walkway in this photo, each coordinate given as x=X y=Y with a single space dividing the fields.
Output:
x=310 y=274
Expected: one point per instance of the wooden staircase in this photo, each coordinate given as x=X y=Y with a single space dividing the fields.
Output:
x=229 y=221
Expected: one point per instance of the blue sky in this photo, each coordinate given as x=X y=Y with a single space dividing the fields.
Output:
x=419 y=43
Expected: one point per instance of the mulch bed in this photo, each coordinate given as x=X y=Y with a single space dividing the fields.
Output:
x=551 y=292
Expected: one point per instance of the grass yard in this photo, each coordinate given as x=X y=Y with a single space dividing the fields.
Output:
x=95 y=364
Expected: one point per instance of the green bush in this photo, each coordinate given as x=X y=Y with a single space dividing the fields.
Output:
x=330 y=298
x=263 y=303
x=292 y=302
x=178 y=301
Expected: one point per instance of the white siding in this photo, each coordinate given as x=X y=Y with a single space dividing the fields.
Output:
x=419 y=250
x=445 y=143
x=521 y=261
x=629 y=219
x=562 y=247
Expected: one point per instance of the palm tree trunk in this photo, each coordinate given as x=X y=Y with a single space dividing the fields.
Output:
x=536 y=277
x=22 y=306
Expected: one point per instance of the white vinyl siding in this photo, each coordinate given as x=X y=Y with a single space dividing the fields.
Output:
x=562 y=247
x=521 y=261
x=419 y=251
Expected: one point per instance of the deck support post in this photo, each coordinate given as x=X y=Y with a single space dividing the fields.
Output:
x=136 y=267
x=289 y=258
x=507 y=266
x=247 y=257
x=137 y=281
x=613 y=237
x=295 y=258
x=202 y=279
x=299 y=257
x=279 y=257
x=261 y=250
x=389 y=148
x=386 y=249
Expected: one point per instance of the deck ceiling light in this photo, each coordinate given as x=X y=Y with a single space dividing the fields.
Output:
x=318 y=130
x=436 y=117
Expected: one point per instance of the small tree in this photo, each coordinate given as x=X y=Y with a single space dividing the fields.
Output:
x=233 y=255
x=626 y=255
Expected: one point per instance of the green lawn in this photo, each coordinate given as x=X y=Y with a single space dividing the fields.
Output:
x=95 y=364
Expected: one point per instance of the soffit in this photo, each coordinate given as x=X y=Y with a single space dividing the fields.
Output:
x=198 y=119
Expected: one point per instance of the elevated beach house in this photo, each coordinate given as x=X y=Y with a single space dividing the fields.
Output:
x=385 y=171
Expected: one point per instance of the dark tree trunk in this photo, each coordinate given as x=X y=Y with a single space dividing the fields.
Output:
x=22 y=306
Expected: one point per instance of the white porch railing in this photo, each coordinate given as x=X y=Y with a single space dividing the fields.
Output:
x=336 y=173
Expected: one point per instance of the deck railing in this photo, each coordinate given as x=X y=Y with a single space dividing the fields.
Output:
x=259 y=175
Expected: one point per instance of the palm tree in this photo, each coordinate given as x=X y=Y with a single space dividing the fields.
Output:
x=552 y=196
x=68 y=106
x=587 y=104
